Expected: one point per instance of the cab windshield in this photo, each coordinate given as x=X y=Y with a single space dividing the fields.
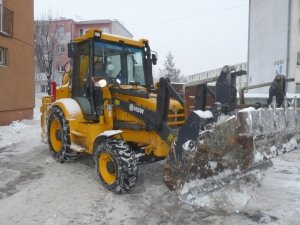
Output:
x=118 y=61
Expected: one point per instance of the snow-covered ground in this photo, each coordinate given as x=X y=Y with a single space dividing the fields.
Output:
x=35 y=189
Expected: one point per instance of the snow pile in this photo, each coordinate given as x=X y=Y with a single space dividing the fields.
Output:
x=204 y=114
x=259 y=157
x=224 y=118
x=11 y=134
x=249 y=109
x=230 y=198
x=291 y=145
x=274 y=151
x=18 y=131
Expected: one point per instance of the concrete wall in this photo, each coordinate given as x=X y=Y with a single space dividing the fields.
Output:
x=268 y=29
x=274 y=41
x=17 y=78
x=294 y=69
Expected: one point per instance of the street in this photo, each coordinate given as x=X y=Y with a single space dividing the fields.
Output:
x=35 y=189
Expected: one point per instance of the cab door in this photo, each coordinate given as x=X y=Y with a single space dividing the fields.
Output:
x=82 y=85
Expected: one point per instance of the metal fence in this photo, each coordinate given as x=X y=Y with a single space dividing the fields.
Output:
x=6 y=21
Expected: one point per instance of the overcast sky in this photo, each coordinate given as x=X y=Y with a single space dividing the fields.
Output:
x=201 y=34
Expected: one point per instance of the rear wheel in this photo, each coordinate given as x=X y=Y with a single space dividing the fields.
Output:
x=59 y=136
x=116 y=165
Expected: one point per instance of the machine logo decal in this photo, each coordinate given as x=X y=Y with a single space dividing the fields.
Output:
x=133 y=108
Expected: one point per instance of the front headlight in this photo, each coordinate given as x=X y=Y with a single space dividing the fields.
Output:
x=174 y=109
x=101 y=83
x=97 y=34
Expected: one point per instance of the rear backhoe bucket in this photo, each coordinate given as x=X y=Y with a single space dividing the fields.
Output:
x=220 y=152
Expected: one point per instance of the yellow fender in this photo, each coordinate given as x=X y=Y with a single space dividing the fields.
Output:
x=110 y=133
x=70 y=108
x=105 y=135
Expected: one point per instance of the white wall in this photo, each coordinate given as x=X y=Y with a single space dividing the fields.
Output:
x=268 y=31
x=119 y=29
x=294 y=69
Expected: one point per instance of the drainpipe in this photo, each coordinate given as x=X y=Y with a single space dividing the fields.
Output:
x=288 y=41
x=248 y=55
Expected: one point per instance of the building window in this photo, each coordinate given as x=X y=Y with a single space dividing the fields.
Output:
x=298 y=58
x=297 y=87
x=60 y=68
x=82 y=31
x=3 y=56
x=61 y=48
x=44 y=88
x=6 y=21
x=61 y=29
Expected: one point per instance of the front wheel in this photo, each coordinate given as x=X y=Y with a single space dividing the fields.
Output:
x=116 y=165
x=59 y=136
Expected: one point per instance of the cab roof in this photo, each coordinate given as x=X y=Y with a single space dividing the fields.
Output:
x=98 y=34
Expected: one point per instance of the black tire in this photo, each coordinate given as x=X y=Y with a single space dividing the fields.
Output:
x=118 y=170
x=59 y=136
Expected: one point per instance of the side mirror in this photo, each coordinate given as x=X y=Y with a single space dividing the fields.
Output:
x=72 y=50
x=154 y=59
x=65 y=65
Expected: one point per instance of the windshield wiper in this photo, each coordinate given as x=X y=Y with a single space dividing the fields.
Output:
x=127 y=52
x=132 y=58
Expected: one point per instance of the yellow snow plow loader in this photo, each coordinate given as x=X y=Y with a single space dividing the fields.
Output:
x=107 y=106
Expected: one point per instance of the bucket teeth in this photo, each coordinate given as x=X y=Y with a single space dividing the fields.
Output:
x=231 y=144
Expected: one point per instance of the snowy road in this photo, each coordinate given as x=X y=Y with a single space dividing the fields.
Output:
x=35 y=189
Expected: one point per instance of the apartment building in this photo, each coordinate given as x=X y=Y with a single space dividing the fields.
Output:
x=274 y=42
x=70 y=29
x=16 y=60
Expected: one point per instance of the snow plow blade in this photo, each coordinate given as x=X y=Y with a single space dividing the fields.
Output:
x=220 y=149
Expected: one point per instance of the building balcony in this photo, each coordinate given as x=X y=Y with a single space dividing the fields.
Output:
x=6 y=21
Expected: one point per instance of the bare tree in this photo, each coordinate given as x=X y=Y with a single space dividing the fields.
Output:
x=47 y=35
x=169 y=71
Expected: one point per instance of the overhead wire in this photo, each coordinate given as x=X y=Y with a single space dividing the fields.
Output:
x=189 y=16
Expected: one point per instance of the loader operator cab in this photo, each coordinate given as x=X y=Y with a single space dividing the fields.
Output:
x=119 y=63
